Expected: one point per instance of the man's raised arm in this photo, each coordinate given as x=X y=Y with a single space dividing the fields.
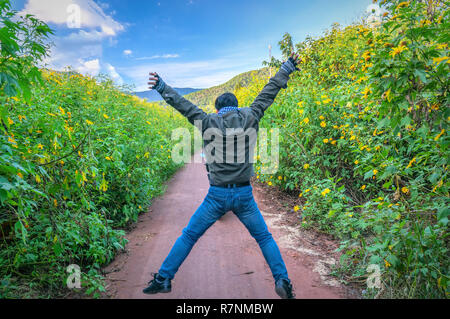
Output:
x=186 y=108
x=276 y=83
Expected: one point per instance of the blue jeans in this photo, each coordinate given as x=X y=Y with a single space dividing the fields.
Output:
x=219 y=201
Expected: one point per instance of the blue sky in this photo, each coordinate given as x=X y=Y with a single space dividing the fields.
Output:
x=190 y=43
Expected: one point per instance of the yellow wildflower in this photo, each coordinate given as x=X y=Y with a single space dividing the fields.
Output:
x=104 y=184
x=366 y=55
x=403 y=4
x=388 y=95
x=437 y=61
x=411 y=162
x=439 y=135
x=438 y=185
x=397 y=50
x=366 y=92
x=11 y=140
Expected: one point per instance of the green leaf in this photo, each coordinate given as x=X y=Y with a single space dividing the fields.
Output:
x=406 y=121
x=369 y=174
x=443 y=212
x=57 y=249
x=421 y=74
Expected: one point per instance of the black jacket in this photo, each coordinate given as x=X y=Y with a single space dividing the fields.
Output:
x=229 y=139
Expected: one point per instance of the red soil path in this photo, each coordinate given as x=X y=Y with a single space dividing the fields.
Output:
x=226 y=262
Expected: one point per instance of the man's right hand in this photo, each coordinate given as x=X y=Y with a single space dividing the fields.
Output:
x=295 y=59
x=155 y=82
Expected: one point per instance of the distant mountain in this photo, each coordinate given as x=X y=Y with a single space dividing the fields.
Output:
x=153 y=96
x=205 y=98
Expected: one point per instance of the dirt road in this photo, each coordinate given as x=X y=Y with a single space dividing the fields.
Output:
x=226 y=262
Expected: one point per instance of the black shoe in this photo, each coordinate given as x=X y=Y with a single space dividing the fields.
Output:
x=158 y=284
x=283 y=288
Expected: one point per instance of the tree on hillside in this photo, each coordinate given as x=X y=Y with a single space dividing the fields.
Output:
x=23 y=44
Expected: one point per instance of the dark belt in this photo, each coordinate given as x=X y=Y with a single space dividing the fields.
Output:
x=232 y=185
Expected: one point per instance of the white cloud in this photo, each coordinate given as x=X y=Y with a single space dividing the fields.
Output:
x=82 y=48
x=196 y=74
x=164 y=56
x=103 y=5
x=91 y=67
x=127 y=52
x=94 y=67
x=60 y=12
x=111 y=71
x=67 y=51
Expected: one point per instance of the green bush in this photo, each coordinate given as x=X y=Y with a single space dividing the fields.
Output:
x=79 y=160
x=364 y=142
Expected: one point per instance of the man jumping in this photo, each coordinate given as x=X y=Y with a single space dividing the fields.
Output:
x=230 y=188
